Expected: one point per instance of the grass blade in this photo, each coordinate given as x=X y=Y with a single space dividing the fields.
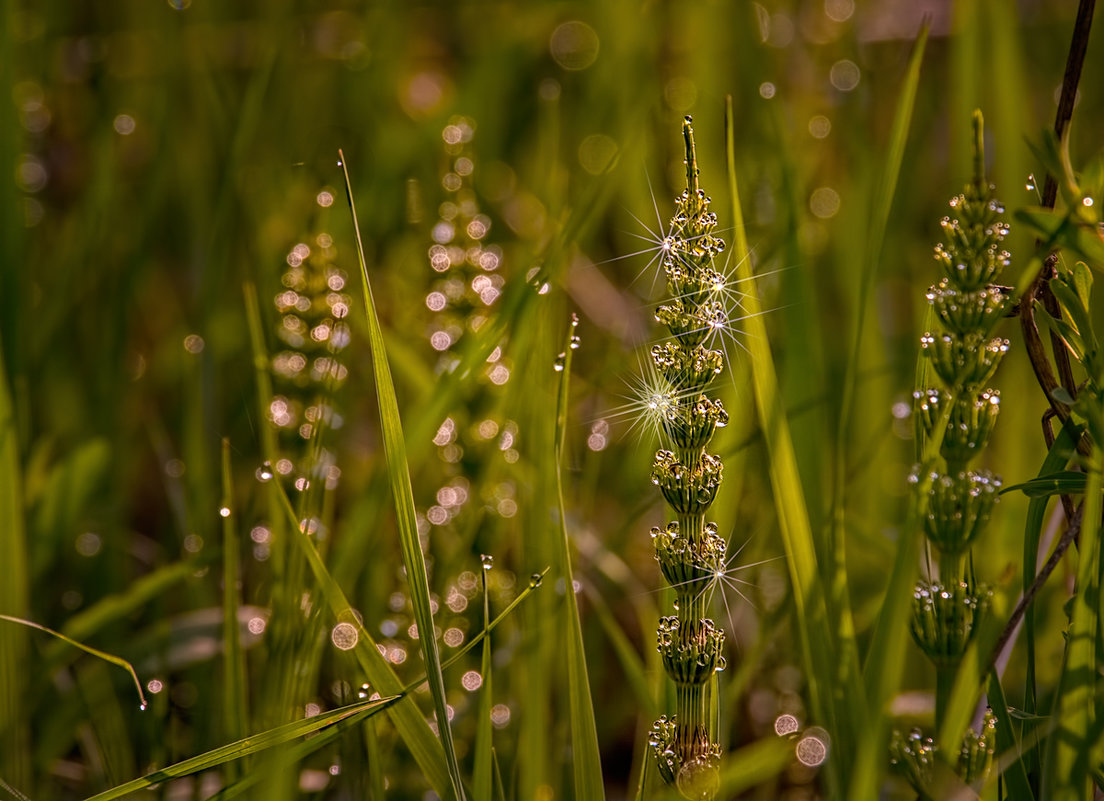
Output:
x=344 y=717
x=118 y=661
x=1066 y=771
x=586 y=756
x=1008 y=747
x=822 y=660
x=483 y=777
x=15 y=758
x=408 y=720
x=235 y=715
x=398 y=470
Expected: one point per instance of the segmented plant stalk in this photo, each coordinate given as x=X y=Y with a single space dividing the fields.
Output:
x=690 y=552
x=963 y=354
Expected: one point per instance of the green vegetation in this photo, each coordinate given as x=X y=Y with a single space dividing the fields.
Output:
x=360 y=498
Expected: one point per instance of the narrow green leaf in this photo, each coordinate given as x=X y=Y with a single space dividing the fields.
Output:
x=483 y=773
x=1058 y=457
x=394 y=446
x=14 y=751
x=235 y=716
x=821 y=656
x=289 y=756
x=344 y=717
x=1063 y=482
x=1066 y=771
x=1009 y=752
x=412 y=727
x=114 y=660
x=586 y=756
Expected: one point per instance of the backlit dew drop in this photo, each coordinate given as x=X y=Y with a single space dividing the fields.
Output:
x=487 y=560
x=264 y=472
x=785 y=724
x=224 y=511
x=560 y=360
x=344 y=636
x=811 y=750
x=535 y=580
x=142 y=706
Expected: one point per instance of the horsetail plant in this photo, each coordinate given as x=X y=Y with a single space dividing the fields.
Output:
x=964 y=355
x=689 y=550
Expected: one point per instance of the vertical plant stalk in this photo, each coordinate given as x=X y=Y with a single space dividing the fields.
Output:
x=961 y=413
x=689 y=550
x=399 y=476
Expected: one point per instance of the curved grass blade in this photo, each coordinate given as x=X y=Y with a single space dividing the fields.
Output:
x=114 y=660
x=1064 y=482
x=344 y=717
x=586 y=756
x=394 y=446
x=408 y=720
x=834 y=689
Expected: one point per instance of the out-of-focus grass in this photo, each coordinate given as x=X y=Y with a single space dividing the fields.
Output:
x=166 y=154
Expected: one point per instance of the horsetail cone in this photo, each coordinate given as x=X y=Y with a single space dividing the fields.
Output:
x=689 y=550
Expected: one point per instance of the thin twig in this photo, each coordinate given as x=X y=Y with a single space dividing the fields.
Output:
x=1068 y=537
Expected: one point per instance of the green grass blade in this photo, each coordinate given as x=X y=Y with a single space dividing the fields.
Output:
x=234 y=702
x=483 y=774
x=822 y=661
x=1066 y=771
x=408 y=720
x=14 y=759
x=1009 y=750
x=118 y=661
x=290 y=756
x=586 y=756
x=1058 y=457
x=344 y=717
x=394 y=445
x=880 y=207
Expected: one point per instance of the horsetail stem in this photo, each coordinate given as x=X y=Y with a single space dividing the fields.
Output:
x=964 y=356
x=689 y=550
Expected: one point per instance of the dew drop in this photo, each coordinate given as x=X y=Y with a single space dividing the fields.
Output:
x=560 y=360
x=142 y=706
x=535 y=580
x=224 y=511
x=487 y=560
x=264 y=472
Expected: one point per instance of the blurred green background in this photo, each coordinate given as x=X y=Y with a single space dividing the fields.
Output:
x=160 y=157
